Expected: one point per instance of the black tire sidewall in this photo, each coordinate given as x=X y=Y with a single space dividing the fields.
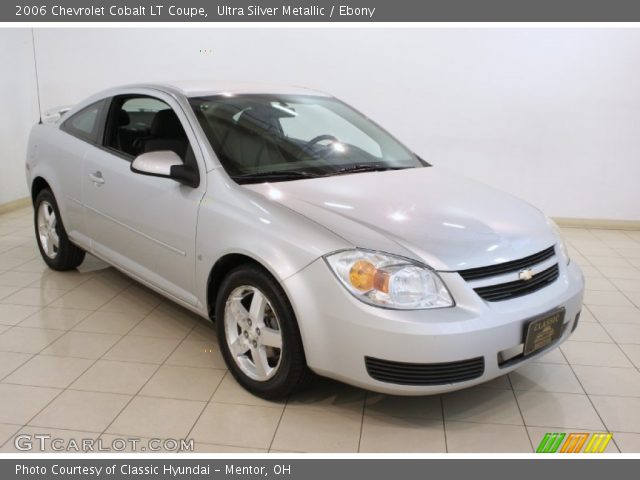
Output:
x=58 y=262
x=293 y=362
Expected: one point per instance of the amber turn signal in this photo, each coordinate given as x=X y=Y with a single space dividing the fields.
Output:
x=365 y=276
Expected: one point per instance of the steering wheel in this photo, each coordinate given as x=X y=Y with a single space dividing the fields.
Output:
x=317 y=139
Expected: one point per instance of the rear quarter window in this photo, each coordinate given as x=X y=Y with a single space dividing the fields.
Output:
x=85 y=124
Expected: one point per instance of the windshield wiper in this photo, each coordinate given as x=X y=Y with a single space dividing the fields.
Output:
x=273 y=175
x=357 y=168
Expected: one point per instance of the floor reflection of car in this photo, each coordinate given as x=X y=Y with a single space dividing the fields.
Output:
x=312 y=238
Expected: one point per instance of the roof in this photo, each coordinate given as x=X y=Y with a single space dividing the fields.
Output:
x=192 y=88
x=199 y=88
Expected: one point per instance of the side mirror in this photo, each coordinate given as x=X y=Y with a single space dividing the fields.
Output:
x=165 y=164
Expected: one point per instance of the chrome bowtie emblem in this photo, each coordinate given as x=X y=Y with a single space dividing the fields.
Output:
x=526 y=274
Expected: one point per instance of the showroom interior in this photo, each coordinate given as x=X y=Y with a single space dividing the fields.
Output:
x=549 y=115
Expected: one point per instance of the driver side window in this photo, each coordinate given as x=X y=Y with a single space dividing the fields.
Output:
x=142 y=124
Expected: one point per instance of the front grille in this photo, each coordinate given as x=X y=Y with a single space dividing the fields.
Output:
x=507 y=267
x=517 y=288
x=402 y=373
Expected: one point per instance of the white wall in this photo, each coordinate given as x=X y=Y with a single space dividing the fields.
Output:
x=552 y=115
x=18 y=109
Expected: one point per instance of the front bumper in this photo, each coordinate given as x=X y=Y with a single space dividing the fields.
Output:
x=339 y=331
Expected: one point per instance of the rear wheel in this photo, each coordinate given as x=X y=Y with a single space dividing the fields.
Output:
x=259 y=335
x=55 y=247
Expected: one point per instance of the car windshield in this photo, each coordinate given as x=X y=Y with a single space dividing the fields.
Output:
x=261 y=138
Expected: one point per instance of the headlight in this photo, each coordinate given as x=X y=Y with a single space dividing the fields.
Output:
x=564 y=252
x=389 y=281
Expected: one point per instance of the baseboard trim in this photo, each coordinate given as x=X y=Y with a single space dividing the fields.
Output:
x=598 y=223
x=15 y=205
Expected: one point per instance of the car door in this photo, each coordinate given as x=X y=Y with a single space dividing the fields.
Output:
x=143 y=224
x=82 y=131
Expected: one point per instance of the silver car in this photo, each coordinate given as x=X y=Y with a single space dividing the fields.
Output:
x=313 y=239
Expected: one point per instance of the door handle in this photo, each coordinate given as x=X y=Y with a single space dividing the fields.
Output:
x=96 y=177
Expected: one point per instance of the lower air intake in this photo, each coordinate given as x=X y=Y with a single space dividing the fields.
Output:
x=402 y=373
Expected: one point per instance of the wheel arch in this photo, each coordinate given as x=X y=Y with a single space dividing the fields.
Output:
x=221 y=269
x=37 y=185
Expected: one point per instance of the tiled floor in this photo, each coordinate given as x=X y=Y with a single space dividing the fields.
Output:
x=93 y=354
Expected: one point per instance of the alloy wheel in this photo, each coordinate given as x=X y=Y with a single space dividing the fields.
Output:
x=253 y=333
x=47 y=229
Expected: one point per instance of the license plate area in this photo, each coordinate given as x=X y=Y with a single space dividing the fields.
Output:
x=543 y=331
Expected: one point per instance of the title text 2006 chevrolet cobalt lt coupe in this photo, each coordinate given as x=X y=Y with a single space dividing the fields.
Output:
x=314 y=239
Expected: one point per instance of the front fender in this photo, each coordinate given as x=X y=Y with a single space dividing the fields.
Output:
x=236 y=220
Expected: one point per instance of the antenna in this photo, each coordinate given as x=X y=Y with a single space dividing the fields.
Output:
x=35 y=66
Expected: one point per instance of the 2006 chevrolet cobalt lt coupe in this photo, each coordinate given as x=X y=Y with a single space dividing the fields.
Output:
x=313 y=239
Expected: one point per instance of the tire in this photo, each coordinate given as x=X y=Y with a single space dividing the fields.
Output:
x=55 y=247
x=289 y=372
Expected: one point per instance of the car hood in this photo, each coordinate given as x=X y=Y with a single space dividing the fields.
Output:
x=445 y=220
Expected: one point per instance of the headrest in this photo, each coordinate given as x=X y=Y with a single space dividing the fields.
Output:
x=166 y=124
x=262 y=117
x=123 y=118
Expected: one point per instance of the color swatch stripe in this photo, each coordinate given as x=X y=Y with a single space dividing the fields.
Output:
x=550 y=442
x=574 y=442
x=598 y=443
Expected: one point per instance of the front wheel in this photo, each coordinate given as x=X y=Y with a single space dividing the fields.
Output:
x=55 y=247
x=258 y=334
